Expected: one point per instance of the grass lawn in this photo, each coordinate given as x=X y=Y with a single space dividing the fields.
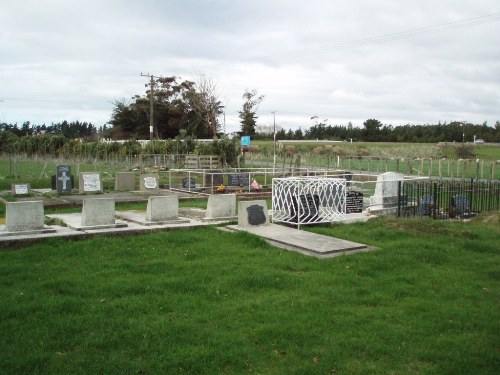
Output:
x=209 y=302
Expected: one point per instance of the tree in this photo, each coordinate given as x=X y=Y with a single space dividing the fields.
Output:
x=372 y=130
x=247 y=114
x=206 y=105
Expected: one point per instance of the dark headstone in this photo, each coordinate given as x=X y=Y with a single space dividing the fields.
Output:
x=425 y=205
x=354 y=202
x=256 y=215
x=188 y=183
x=348 y=176
x=305 y=208
x=214 y=178
x=64 y=183
x=461 y=204
x=238 y=179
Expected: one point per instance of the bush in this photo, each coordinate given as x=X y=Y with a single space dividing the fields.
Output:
x=464 y=151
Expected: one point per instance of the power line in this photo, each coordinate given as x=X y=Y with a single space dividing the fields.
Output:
x=412 y=33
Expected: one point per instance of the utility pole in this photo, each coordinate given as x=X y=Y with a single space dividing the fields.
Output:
x=274 y=140
x=151 y=97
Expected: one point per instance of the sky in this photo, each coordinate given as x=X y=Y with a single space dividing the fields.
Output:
x=400 y=62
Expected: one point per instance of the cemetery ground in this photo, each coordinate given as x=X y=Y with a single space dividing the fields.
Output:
x=210 y=302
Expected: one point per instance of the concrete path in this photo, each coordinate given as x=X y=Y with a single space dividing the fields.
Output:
x=304 y=242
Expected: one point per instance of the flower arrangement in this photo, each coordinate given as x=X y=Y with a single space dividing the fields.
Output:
x=220 y=188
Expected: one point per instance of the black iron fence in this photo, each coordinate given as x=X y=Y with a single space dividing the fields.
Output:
x=447 y=199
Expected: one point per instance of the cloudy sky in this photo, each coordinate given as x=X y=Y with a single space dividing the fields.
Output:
x=400 y=62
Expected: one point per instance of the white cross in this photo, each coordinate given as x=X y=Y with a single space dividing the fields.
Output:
x=64 y=179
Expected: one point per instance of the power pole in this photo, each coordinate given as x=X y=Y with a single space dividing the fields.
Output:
x=151 y=97
x=274 y=140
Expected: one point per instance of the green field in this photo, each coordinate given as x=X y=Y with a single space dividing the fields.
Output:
x=210 y=302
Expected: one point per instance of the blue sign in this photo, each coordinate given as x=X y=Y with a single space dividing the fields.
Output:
x=245 y=140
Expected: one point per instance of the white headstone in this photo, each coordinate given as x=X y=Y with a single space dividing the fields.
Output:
x=386 y=189
x=90 y=182
x=20 y=189
x=150 y=182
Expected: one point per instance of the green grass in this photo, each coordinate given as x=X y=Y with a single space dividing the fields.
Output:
x=210 y=302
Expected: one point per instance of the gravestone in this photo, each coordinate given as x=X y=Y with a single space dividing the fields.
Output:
x=221 y=206
x=162 y=208
x=24 y=216
x=305 y=208
x=252 y=213
x=150 y=182
x=98 y=211
x=188 y=183
x=238 y=179
x=64 y=181
x=426 y=205
x=461 y=205
x=386 y=190
x=125 y=181
x=214 y=178
x=90 y=182
x=354 y=202
x=20 y=189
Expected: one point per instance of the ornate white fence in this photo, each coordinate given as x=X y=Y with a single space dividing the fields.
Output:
x=308 y=200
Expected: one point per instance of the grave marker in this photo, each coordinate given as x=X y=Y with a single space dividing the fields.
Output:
x=238 y=179
x=20 y=189
x=252 y=213
x=163 y=208
x=354 y=202
x=305 y=208
x=98 y=211
x=24 y=216
x=90 y=182
x=214 y=178
x=221 y=206
x=188 y=183
x=386 y=190
x=125 y=181
x=64 y=182
x=150 y=182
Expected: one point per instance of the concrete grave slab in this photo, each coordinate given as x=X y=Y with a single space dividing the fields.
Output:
x=306 y=243
x=221 y=206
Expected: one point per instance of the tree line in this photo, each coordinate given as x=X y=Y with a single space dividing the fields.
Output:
x=374 y=131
